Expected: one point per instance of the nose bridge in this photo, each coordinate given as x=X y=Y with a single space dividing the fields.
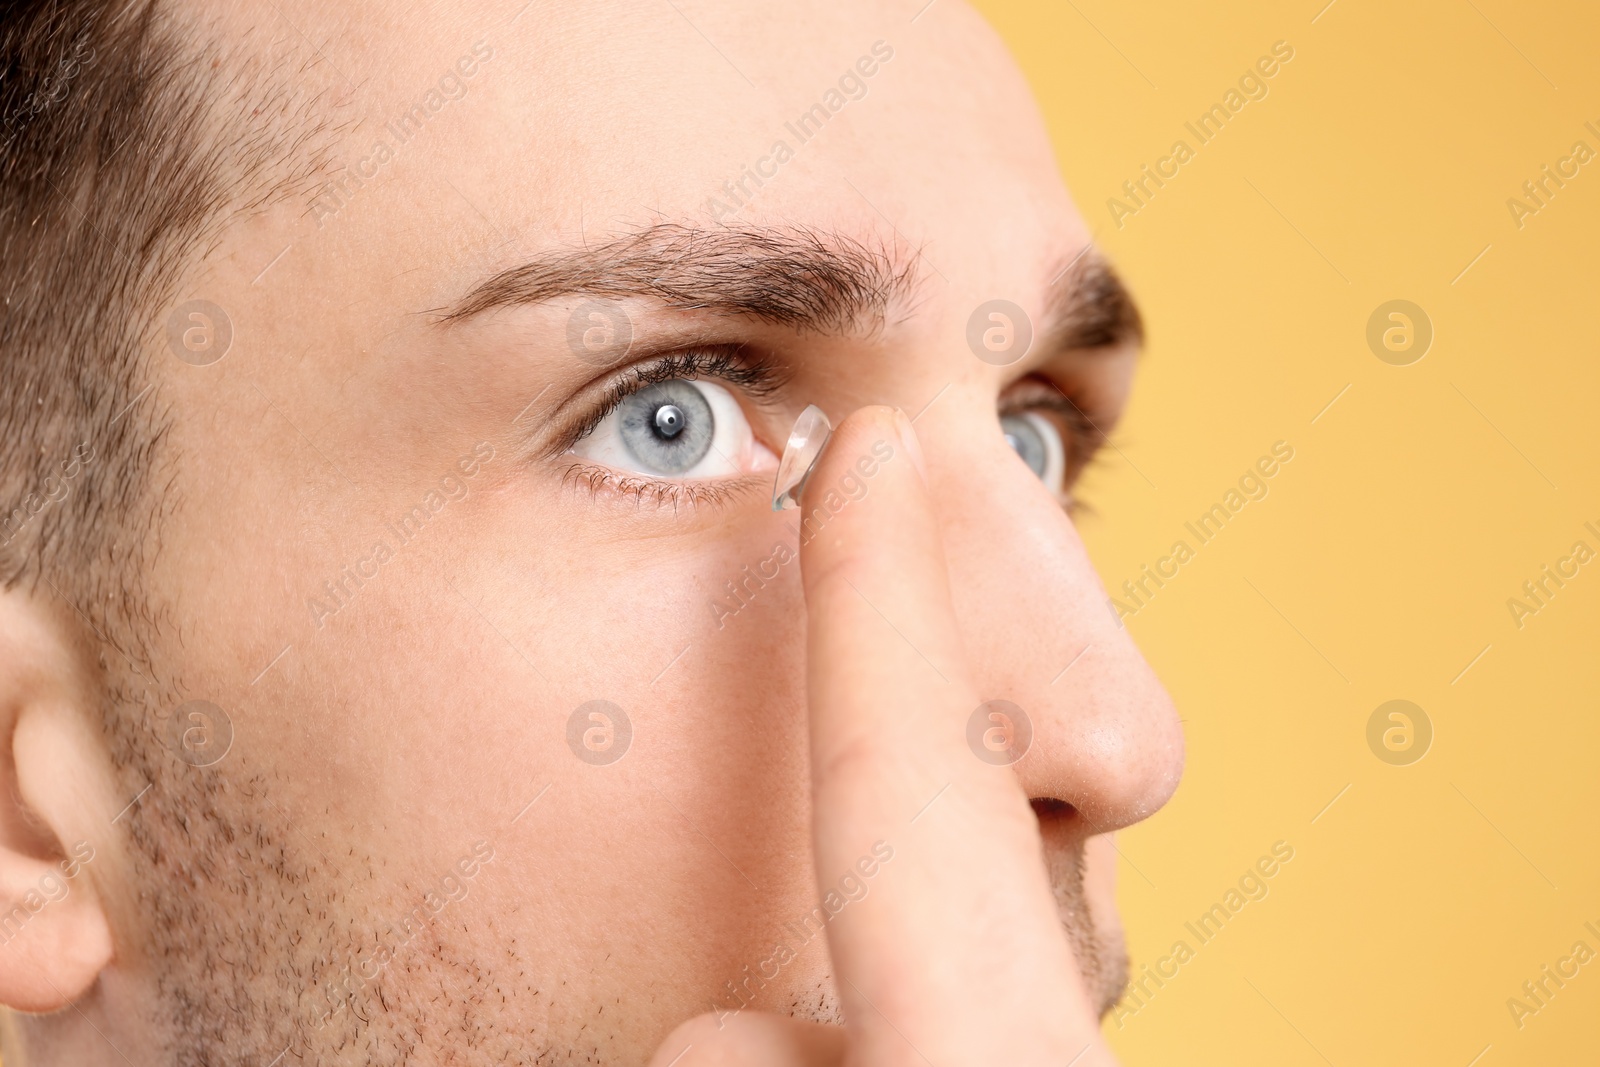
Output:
x=1040 y=633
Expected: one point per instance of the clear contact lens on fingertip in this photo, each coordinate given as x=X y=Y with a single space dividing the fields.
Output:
x=806 y=440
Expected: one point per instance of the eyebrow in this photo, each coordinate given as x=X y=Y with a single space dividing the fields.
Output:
x=798 y=277
x=1088 y=307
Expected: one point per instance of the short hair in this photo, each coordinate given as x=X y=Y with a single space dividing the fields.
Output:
x=129 y=137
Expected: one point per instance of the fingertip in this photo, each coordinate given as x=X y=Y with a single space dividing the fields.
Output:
x=908 y=438
x=867 y=438
x=868 y=529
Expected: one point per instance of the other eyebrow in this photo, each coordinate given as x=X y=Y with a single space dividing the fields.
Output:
x=799 y=278
x=1088 y=307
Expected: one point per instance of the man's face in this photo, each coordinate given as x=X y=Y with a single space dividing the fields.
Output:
x=402 y=580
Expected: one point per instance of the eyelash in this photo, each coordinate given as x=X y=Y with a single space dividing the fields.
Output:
x=595 y=479
x=737 y=365
x=756 y=375
x=759 y=377
x=1081 y=435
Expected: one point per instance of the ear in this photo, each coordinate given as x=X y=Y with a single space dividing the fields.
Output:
x=54 y=791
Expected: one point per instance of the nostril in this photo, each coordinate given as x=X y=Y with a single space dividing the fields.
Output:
x=1050 y=810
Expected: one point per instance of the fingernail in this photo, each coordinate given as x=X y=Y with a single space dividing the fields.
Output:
x=913 y=447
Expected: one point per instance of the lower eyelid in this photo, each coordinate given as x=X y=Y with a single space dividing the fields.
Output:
x=599 y=481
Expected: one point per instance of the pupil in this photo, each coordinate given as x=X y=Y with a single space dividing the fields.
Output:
x=669 y=420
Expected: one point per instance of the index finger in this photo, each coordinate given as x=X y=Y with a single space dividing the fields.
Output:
x=956 y=952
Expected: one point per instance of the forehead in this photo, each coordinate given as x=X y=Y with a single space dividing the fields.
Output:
x=540 y=124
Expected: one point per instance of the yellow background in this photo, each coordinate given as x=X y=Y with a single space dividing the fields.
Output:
x=1380 y=564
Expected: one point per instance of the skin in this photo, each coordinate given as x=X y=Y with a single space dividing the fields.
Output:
x=421 y=719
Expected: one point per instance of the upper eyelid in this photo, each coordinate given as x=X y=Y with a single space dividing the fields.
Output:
x=755 y=373
x=1049 y=395
x=1087 y=436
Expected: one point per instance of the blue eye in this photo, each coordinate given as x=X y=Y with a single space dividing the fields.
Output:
x=668 y=427
x=1038 y=442
x=688 y=428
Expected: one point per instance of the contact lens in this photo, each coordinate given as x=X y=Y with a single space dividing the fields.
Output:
x=811 y=431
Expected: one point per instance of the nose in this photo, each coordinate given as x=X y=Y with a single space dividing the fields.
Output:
x=1040 y=632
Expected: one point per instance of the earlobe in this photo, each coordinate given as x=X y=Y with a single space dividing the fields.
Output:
x=55 y=938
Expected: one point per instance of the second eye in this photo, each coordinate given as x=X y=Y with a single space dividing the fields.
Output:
x=1038 y=442
x=677 y=428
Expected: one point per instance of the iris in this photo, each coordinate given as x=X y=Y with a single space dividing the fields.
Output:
x=1037 y=441
x=668 y=427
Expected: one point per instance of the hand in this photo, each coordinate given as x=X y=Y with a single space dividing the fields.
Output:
x=956 y=956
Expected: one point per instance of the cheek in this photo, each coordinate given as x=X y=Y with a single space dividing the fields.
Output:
x=740 y=614
x=624 y=610
x=698 y=635
x=712 y=790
